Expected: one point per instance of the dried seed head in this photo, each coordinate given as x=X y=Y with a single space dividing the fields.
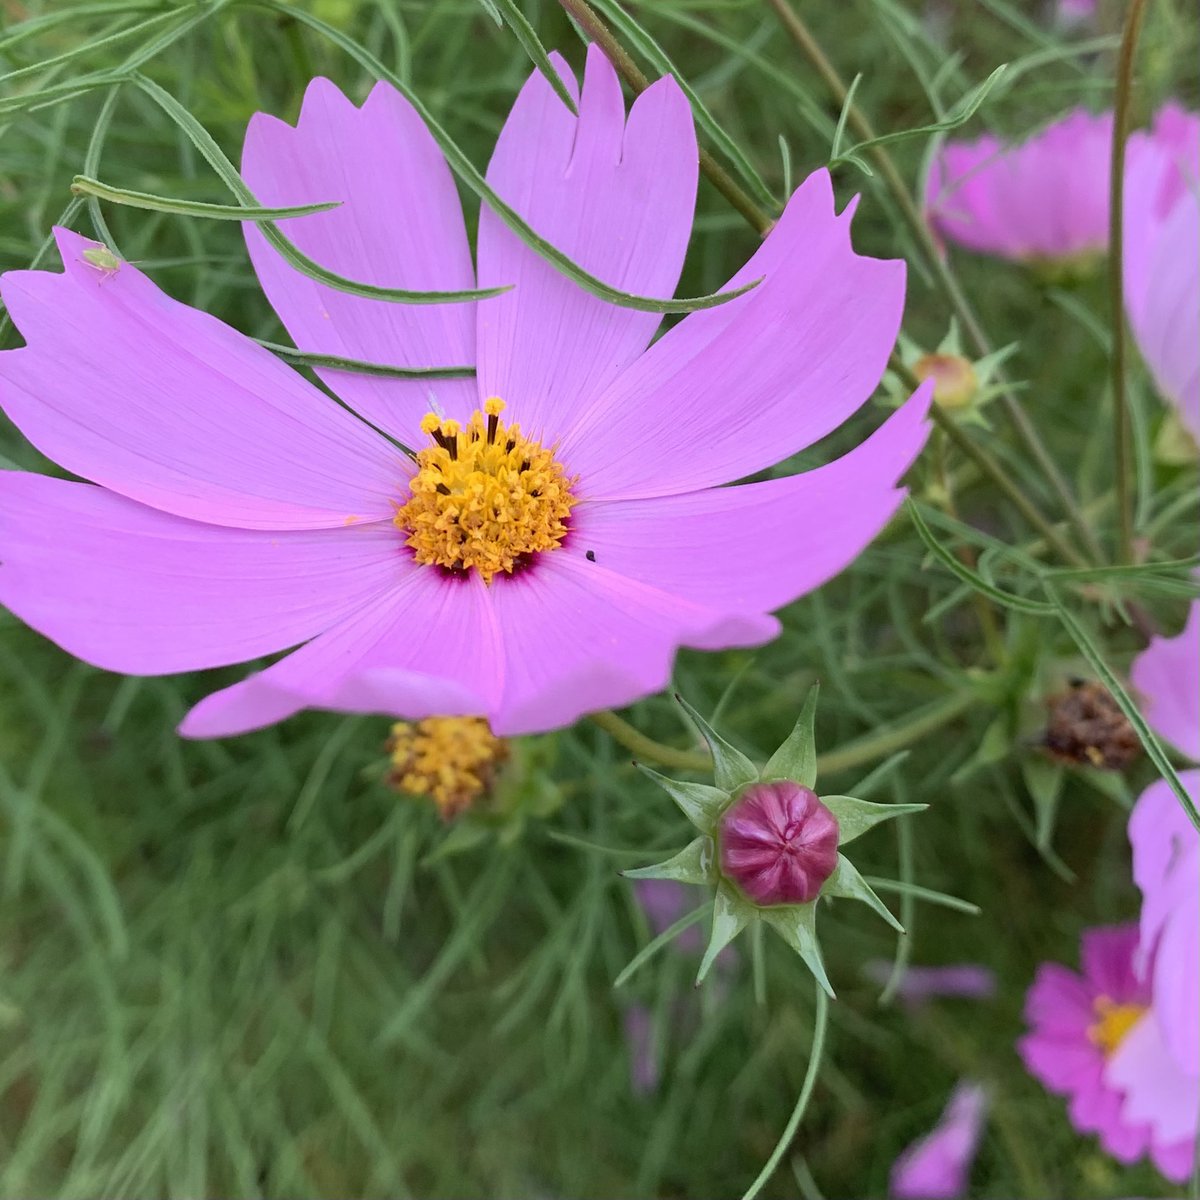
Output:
x=1086 y=727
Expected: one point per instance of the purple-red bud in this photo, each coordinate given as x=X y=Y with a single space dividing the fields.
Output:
x=778 y=843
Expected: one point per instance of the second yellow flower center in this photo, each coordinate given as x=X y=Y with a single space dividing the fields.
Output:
x=1113 y=1023
x=484 y=496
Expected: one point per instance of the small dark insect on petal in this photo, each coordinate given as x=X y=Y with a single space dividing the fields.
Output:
x=590 y=556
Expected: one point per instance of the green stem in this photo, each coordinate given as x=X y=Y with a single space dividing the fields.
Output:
x=1116 y=253
x=958 y=301
x=593 y=25
x=853 y=754
x=806 y=1090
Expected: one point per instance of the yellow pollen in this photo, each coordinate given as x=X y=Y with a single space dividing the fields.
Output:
x=1113 y=1023
x=484 y=496
x=453 y=760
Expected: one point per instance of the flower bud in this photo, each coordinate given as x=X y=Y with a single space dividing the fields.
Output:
x=778 y=843
x=954 y=380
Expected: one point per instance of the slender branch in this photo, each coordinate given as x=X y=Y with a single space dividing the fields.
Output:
x=994 y=471
x=593 y=25
x=1116 y=255
x=961 y=306
x=645 y=747
x=806 y=1090
x=852 y=754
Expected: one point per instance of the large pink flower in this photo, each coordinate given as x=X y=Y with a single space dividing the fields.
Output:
x=1095 y=1039
x=1162 y=257
x=1044 y=199
x=527 y=575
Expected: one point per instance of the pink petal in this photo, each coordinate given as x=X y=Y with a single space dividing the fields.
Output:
x=1175 y=1161
x=1166 y=867
x=1167 y=676
x=617 y=198
x=400 y=224
x=166 y=405
x=131 y=589
x=425 y=648
x=1158 y=1090
x=756 y=547
x=734 y=389
x=578 y=637
x=1107 y=958
x=937 y=1167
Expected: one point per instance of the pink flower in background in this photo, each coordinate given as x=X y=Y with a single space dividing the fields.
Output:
x=1095 y=1039
x=1158 y=1066
x=970 y=981
x=937 y=1167
x=645 y=1070
x=1162 y=257
x=664 y=902
x=1044 y=199
x=1070 y=14
x=548 y=551
x=1166 y=676
x=1166 y=868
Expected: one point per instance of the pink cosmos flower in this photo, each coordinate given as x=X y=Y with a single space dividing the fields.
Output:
x=1159 y=1067
x=546 y=552
x=1042 y=200
x=937 y=1166
x=1095 y=1039
x=1162 y=257
x=1166 y=676
x=918 y=985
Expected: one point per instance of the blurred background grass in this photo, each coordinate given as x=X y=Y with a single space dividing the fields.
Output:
x=244 y=968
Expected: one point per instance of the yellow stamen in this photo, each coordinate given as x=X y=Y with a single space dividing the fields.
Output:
x=484 y=496
x=1113 y=1023
x=454 y=760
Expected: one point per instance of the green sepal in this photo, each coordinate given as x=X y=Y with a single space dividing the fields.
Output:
x=797 y=925
x=695 y=863
x=731 y=914
x=849 y=884
x=796 y=759
x=731 y=768
x=701 y=803
x=855 y=817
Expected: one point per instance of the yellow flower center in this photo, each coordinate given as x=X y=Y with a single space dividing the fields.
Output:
x=484 y=496
x=454 y=760
x=1113 y=1023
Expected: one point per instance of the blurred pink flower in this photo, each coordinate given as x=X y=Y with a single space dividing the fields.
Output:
x=1166 y=867
x=1095 y=1040
x=1166 y=675
x=1044 y=199
x=1162 y=257
x=937 y=1167
x=241 y=512
x=919 y=984
x=645 y=1070
x=1070 y=14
